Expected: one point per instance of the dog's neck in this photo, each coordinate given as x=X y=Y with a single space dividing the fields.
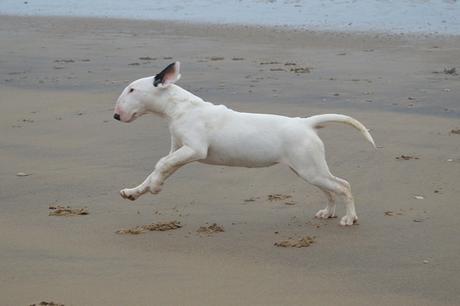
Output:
x=174 y=102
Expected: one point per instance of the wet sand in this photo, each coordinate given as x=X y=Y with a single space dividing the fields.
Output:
x=59 y=78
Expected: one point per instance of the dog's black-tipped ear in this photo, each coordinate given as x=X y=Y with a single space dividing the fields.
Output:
x=168 y=76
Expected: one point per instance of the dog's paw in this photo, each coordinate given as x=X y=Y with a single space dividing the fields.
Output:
x=325 y=213
x=129 y=194
x=348 y=220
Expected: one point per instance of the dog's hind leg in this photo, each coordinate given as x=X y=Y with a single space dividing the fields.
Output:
x=341 y=188
x=310 y=164
x=329 y=211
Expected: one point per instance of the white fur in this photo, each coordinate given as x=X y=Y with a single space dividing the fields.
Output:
x=214 y=134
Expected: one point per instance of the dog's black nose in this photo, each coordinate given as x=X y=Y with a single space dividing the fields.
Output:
x=116 y=116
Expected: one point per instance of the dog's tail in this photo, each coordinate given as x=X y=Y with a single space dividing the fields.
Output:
x=317 y=120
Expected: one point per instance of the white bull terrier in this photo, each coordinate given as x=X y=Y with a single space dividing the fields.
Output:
x=214 y=134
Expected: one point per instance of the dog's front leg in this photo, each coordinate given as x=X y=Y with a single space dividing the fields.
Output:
x=163 y=169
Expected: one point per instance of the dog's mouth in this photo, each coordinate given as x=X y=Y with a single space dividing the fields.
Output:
x=133 y=117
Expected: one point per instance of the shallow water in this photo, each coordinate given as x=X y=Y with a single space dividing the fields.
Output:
x=410 y=16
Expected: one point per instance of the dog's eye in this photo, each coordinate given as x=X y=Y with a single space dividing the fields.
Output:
x=131 y=90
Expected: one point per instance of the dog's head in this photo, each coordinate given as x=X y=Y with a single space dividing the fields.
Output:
x=143 y=95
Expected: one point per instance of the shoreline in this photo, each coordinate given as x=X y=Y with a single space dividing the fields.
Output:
x=178 y=24
x=407 y=17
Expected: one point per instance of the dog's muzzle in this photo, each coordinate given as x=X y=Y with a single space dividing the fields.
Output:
x=116 y=117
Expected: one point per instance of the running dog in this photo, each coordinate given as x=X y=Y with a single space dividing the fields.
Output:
x=214 y=134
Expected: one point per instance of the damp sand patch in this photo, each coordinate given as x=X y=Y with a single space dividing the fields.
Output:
x=406 y=157
x=301 y=69
x=67 y=211
x=278 y=197
x=211 y=229
x=44 y=303
x=154 y=227
x=296 y=243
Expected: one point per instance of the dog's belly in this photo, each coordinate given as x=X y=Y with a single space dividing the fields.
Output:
x=237 y=162
x=242 y=156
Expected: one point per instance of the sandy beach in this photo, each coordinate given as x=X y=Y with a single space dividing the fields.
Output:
x=59 y=80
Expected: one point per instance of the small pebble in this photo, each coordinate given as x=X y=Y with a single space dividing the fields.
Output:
x=22 y=174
